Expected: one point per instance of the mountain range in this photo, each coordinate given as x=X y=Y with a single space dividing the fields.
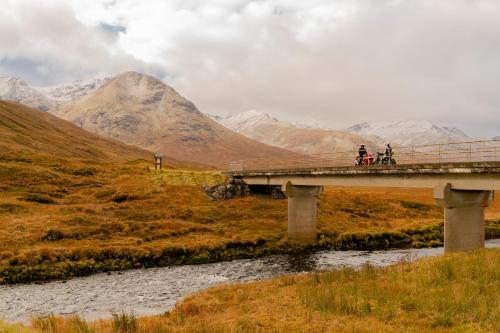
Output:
x=409 y=132
x=16 y=89
x=262 y=127
x=141 y=110
x=73 y=91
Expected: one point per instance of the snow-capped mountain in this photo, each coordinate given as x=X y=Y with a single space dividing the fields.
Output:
x=247 y=120
x=312 y=123
x=409 y=132
x=143 y=111
x=264 y=128
x=16 y=89
x=73 y=91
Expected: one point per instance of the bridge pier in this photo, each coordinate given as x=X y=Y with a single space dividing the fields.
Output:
x=302 y=208
x=463 y=217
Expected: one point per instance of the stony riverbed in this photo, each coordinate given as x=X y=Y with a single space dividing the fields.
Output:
x=156 y=290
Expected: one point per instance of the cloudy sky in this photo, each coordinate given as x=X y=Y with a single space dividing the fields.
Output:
x=338 y=61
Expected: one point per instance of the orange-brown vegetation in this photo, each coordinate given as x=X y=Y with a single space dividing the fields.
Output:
x=27 y=130
x=64 y=218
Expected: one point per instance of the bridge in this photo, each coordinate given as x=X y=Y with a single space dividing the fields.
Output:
x=463 y=175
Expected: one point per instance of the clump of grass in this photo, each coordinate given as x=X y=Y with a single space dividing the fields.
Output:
x=14 y=157
x=45 y=324
x=11 y=328
x=415 y=205
x=105 y=193
x=79 y=325
x=124 y=322
x=10 y=208
x=53 y=235
x=189 y=177
x=119 y=198
x=38 y=198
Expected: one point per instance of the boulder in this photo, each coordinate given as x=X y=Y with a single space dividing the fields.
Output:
x=231 y=188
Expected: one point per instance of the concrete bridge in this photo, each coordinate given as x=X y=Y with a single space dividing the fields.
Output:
x=462 y=188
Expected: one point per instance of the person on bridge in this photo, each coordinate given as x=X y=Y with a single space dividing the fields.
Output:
x=361 y=154
x=388 y=150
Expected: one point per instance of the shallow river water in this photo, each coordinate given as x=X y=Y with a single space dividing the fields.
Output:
x=156 y=290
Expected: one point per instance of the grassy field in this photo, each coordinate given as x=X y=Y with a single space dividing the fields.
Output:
x=453 y=293
x=61 y=218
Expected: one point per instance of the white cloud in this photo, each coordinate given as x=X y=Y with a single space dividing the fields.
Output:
x=339 y=61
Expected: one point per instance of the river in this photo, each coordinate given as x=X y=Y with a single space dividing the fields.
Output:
x=156 y=290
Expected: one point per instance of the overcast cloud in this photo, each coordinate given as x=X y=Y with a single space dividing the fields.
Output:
x=341 y=62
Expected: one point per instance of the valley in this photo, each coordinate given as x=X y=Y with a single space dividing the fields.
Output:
x=79 y=196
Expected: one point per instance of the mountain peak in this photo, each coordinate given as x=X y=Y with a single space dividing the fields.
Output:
x=17 y=90
x=409 y=132
x=246 y=119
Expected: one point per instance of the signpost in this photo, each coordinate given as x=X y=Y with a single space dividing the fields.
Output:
x=158 y=158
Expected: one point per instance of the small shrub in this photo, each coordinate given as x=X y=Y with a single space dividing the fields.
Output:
x=53 y=235
x=10 y=208
x=124 y=323
x=104 y=193
x=415 y=205
x=86 y=171
x=38 y=198
x=119 y=198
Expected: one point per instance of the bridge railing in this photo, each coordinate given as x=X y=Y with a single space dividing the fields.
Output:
x=454 y=152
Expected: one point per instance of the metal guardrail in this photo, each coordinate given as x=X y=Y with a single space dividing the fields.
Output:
x=454 y=152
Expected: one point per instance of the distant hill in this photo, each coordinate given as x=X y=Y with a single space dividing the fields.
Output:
x=143 y=111
x=16 y=89
x=73 y=91
x=25 y=129
x=266 y=129
x=409 y=132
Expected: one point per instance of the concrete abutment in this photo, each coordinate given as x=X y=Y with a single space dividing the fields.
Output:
x=463 y=217
x=302 y=211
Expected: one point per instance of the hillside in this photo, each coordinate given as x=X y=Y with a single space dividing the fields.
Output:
x=27 y=130
x=266 y=129
x=409 y=132
x=142 y=111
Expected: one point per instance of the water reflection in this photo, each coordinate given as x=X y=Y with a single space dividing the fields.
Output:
x=301 y=263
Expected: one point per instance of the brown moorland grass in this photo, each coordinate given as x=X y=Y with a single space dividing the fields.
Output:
x=61 y=218
x=453 y=293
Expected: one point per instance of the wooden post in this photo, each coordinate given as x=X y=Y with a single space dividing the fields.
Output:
x=158 y=161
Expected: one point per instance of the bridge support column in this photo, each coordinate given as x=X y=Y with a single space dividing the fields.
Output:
x=463 y=217
x=302 y=202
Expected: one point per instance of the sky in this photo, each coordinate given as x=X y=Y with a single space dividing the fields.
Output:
x=341 y=62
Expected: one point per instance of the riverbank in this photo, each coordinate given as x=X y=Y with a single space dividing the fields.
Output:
x=61 y=219
x=453 y=293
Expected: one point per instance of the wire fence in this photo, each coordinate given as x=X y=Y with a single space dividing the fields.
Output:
x=454 y=152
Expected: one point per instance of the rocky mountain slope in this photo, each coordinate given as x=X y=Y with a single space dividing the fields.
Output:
x=25 y=129
x=16 y=89
x=266 y=129
x=409 y=132
x=70 y=92
x=140 y=110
